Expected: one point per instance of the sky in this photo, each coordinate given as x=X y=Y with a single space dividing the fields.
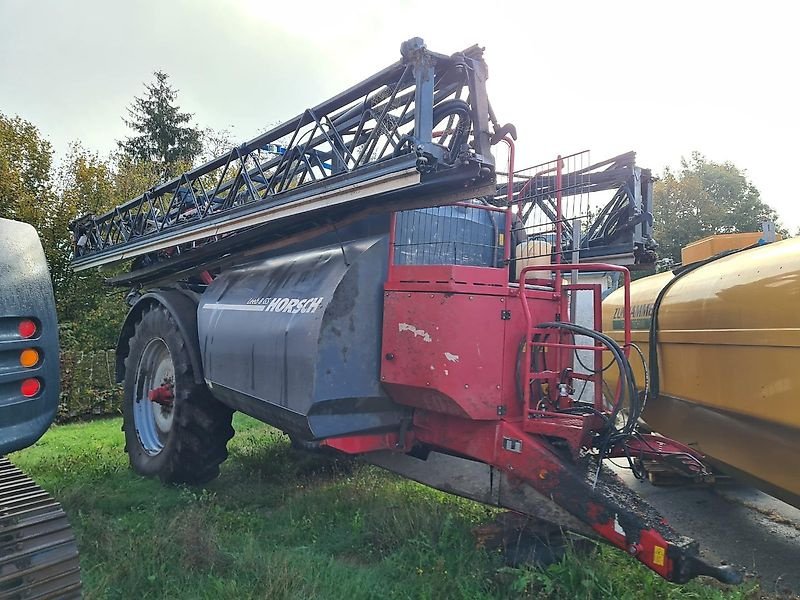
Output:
x=661 y=78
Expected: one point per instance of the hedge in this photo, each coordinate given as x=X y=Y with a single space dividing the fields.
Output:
x=88 y=389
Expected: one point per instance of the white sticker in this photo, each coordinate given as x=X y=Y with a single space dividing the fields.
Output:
x=426 y=337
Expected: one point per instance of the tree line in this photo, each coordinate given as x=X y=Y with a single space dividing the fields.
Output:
x=701 y=198
x=36 y=190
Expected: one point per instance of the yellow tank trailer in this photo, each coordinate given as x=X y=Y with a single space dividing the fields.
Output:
x=728 y=360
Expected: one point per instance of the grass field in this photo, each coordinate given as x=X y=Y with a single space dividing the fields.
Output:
x=279 y=523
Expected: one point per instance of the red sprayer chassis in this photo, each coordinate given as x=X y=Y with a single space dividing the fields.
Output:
x=457 y=346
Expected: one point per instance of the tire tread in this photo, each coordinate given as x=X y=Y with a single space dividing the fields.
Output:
x=201 y=426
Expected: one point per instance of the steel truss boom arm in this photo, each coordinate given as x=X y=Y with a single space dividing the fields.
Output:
x=402 y=128
x=623 y=224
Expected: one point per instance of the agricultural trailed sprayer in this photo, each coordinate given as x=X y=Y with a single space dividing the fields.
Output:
x=378 y=288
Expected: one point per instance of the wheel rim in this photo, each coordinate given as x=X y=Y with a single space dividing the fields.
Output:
x=153 y=421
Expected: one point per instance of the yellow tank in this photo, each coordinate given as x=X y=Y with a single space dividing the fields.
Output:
x=716 y=244
x=729 y=356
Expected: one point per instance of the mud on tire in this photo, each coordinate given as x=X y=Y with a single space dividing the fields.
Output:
x=188 y=442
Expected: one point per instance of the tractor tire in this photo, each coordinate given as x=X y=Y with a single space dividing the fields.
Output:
x=182 y=437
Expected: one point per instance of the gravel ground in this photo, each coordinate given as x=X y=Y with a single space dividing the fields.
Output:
x=735 y=524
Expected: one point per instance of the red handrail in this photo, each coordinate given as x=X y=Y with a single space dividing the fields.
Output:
x=557 y=293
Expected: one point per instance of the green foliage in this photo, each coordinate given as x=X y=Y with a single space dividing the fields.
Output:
x=25 y=163
x=132 y=177
x=88 y=389
x=702 y=199
x=31 y=191
x=162 y=134
x=280 y=523
x=85 y=185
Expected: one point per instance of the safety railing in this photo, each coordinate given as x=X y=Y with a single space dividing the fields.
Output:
x=561 y=352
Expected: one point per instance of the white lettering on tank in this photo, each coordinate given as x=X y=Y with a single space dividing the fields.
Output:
x=313 y=305
x=282 y=305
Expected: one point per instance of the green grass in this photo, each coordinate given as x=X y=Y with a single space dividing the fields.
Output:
x=279 y=523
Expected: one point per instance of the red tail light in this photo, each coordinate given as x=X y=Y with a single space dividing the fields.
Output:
x=26 y=328
x=30 y=387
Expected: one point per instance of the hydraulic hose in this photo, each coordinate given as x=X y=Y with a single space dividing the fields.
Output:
x=609 y=434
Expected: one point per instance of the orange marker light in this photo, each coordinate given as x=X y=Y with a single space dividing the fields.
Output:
x=26 y=328
x=30 y=387
x=29 y=358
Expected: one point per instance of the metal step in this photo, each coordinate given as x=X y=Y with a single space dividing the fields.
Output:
x=38 y=552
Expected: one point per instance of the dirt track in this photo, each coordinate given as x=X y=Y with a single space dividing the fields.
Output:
x=736 y=524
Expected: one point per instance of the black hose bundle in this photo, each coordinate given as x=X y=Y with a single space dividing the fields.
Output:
x=610 y=434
